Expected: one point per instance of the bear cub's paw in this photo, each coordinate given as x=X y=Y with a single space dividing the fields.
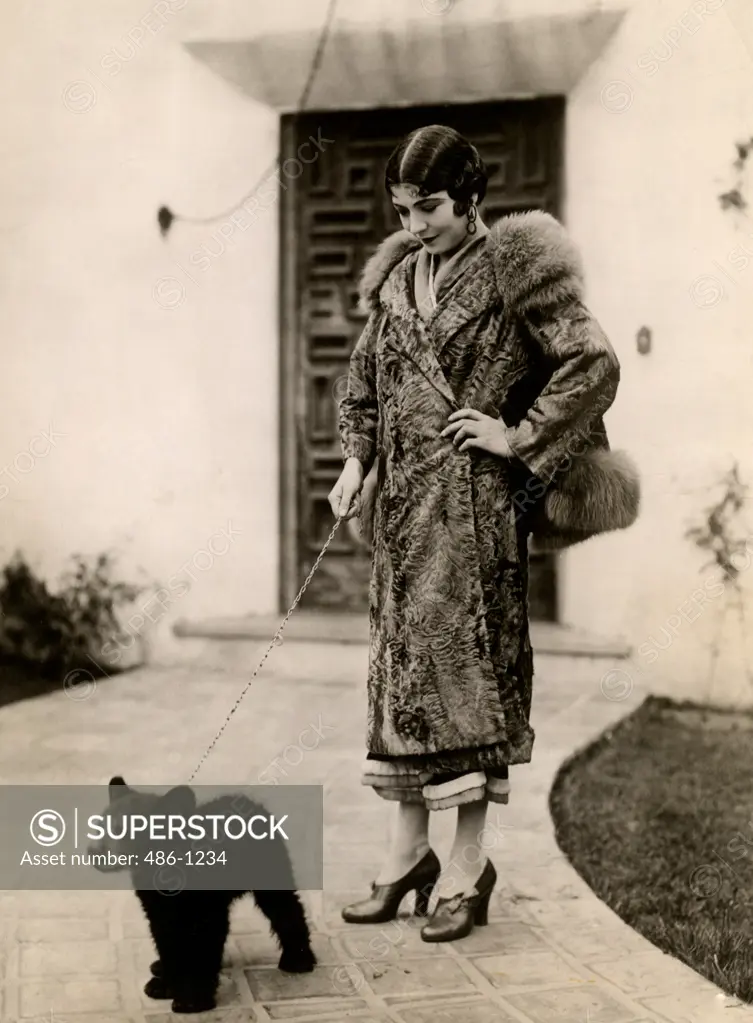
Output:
x=297 y=961
x=156 y=987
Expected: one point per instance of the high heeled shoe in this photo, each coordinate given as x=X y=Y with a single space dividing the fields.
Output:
x=456 y=917
x=384 y=902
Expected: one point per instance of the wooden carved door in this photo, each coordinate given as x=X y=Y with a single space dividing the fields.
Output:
x=334 y=214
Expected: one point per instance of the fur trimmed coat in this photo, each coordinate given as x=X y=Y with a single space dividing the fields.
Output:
x=450 y=666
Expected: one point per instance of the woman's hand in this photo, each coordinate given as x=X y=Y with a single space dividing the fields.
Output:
x=473 y=429
x=343 y=496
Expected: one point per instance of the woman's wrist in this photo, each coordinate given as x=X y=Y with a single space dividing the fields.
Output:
x=505 y=449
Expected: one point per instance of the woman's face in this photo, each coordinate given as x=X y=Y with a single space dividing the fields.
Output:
x=430 y=218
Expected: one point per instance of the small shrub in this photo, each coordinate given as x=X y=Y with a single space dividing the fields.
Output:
x=724 y=535
x=53 y=633
x=722 y=532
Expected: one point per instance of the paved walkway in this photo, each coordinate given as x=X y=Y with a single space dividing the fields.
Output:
x=552 y=951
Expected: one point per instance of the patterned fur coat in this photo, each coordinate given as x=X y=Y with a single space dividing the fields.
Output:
x=451 y=667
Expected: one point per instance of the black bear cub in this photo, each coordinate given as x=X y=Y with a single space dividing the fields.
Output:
x=190 y=927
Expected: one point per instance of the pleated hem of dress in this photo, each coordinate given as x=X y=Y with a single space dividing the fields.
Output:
x=397 y=783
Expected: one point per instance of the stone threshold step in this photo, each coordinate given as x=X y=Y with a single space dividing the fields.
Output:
x=308 y=627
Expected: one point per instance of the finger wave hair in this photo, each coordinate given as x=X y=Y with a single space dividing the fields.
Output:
x=436 y=158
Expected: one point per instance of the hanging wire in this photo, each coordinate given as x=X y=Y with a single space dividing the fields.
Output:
x=165 y=216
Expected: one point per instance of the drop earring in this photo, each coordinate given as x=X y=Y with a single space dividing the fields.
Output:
x=471 y=228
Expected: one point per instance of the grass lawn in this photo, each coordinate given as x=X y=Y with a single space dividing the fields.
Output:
x=657 y=818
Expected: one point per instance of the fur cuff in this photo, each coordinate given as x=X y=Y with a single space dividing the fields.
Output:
x=599 y=493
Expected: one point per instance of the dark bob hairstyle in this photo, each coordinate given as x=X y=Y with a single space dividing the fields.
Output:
x=438 y=159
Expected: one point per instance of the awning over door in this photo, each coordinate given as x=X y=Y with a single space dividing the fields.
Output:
x=395 y=52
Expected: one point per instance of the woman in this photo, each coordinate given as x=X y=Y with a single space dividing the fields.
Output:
x=478 y=366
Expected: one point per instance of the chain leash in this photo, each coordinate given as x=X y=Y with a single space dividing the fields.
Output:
x=273 y=643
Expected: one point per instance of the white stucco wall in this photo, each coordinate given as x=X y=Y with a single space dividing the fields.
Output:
x=157 y=359
x=165 y=390
x=650 y=144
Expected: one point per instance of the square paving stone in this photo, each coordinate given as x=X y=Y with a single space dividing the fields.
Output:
x=337 y=1010
x=55 y=929
x=262 y=950
x=72 y=957
x=650 y=973
x=271 y=985
x=68 y=904
x=503 y=937
x=570 y=913
x=572 y=1006
x=529 y=969
x=696 y=1007
x=80 y=995
x=419 y=975
x=338 y=1018
x=591 y=943
x=460 y=1011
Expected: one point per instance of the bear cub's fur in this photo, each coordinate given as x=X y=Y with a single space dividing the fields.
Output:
x=190 y=927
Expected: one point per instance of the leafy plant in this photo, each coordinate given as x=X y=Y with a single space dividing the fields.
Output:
x=55 y=632
x=723 y=535
x=717 y=533
x=734 y=197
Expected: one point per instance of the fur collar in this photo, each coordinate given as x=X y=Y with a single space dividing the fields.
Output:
x=535 y=262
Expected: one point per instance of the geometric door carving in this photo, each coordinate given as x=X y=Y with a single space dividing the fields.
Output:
x=333 y=214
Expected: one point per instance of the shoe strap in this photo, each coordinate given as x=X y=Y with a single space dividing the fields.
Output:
x=469 y=899
x=460 y=901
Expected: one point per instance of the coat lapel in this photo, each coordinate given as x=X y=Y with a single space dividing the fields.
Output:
x=469 y=293
x=411 y=336
x=462 y=299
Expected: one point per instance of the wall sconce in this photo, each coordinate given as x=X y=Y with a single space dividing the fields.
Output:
x=643 y=341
